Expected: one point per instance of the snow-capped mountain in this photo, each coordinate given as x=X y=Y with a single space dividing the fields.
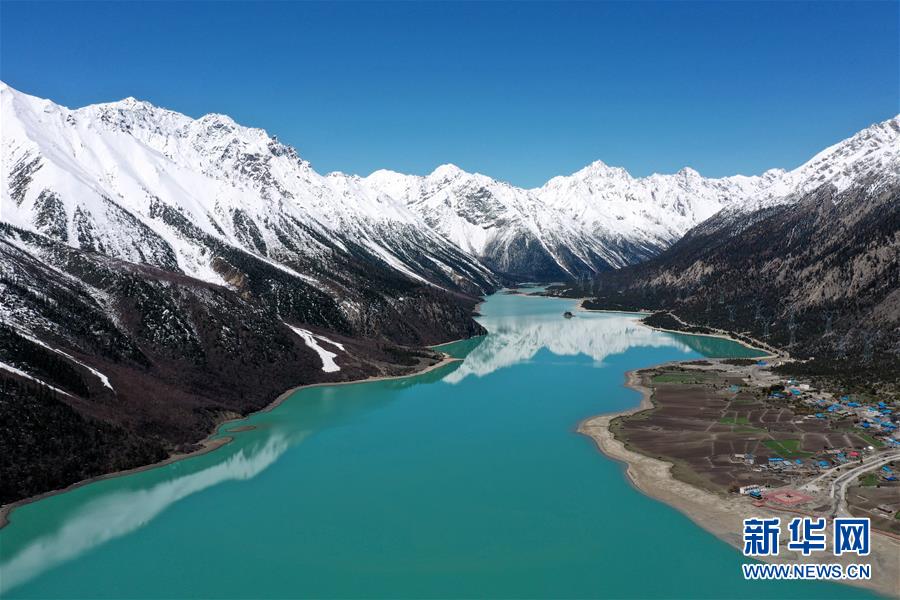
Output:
x=818 y=275
x=160 y=274
x=149 y=185
x=139 y=182
x=601 y=216
x=509 y=229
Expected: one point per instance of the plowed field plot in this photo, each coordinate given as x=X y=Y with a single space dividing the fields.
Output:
x=878 y=501
x=705 y=420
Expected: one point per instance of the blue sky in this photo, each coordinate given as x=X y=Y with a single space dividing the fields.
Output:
x=521 y=92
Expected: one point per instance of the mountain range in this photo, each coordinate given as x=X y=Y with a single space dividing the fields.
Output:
x=816 y=276
x=125 y=176
x=160 y=274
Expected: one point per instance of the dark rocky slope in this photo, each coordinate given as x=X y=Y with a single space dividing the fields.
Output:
x=181 y=355
x=818 y=276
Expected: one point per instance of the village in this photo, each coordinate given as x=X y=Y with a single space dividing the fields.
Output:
x=735 y=426
x=854 y=479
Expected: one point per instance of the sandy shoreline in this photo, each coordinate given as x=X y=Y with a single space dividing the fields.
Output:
x=723 y=515
x=211 y=442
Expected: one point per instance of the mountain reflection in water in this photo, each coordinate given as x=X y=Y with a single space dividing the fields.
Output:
x=114 y=515
x=107 y=516
x=65 y=528
x=516 y=339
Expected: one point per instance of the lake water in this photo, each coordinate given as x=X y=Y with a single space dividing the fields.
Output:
x=466 y=481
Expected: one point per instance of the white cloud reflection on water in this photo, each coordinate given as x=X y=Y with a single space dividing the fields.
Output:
x=114 y=515
x=515 y=340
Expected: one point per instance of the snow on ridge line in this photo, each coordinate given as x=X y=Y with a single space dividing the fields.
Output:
x=121 y=161
x=103 y=378
x=12 y=369
x=309 y=338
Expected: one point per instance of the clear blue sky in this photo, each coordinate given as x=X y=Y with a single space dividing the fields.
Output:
x=520 y=91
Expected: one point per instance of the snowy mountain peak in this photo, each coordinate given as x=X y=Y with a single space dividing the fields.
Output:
x=149 y=185
x=602 y=216
x=103 y=175
x=447 y=171
x=599 y=169
x=132 y=101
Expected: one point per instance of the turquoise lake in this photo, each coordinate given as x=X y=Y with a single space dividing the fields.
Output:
x=466 y=481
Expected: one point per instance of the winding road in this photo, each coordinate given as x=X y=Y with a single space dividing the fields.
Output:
x=837 y=490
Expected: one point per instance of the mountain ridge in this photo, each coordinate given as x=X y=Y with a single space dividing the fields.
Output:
x=597 y=218
x=632 y=218
x=817 y=276
x=160 y=275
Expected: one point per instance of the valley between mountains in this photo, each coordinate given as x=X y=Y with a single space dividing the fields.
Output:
x=160 y=274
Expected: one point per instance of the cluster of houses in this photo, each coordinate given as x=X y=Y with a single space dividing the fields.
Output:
x=827 y=459
x=877 y=423
x=875 y=419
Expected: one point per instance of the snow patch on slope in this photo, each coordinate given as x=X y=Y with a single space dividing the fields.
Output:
x=309 y=338
x=20 y=372
x=103 y=378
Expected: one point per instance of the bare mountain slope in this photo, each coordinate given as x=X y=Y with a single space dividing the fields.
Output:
x=818 y=275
